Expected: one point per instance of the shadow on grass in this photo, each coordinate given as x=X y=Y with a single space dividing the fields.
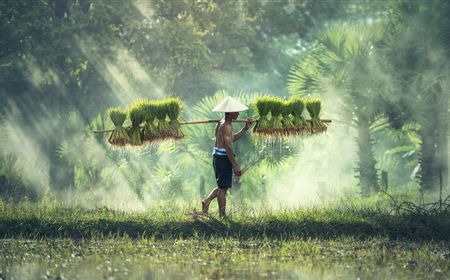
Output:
x=78 y=223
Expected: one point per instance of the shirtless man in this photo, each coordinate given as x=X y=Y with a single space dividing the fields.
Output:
x=224 y=162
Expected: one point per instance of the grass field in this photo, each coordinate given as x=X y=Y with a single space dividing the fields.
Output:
x=38 y=221
x=320 y=243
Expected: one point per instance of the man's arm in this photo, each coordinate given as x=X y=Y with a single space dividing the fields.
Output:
x=243 y=130
x=216 y=130
x=228 y=141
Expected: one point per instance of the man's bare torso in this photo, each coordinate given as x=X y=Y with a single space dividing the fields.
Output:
x=224 y=132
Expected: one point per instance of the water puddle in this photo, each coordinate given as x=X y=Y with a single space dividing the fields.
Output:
x=227 y=259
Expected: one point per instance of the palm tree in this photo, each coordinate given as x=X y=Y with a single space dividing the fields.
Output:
x=194 y=152
x=417 y=46
x=344 y=58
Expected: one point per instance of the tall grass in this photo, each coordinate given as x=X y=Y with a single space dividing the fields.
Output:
x=37 y=220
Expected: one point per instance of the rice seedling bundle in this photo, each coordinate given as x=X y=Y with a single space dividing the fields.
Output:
x=296 y=107
x=276 y=109
x=313 y=106
x=287 y=119
x=159 y=120
x=149 y=131
x=262 y=106
x=119 y=135
x=137 y=117
x=271 y=111
x=174 y=106
x=162 y=127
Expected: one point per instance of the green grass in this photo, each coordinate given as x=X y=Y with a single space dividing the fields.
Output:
x=37 y=221
x=345 y=242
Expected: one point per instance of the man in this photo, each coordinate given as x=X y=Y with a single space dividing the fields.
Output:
x=224 y=162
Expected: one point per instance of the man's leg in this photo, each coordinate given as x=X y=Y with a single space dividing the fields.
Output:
x=208 y=199
x=222 y=199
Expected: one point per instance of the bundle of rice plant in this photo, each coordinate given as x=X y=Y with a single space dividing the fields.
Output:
x=119 y=135
x=313 y=106
x=174 y=107
x=287 y=119
x=262 y=106
x=137 y=117
x=149 y=132
x=296 y=107
x=276 y=109
x=162 y=127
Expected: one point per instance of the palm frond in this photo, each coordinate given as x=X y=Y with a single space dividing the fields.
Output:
x=195 y=150
x=305 y=77
x=276 y=151
x=378 y=125
x=203 y=108
x=334 y=38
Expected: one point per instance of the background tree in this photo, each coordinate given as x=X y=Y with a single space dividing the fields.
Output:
x=193 y=154
x=344 y=59
x=84 y=56
x=416 y=44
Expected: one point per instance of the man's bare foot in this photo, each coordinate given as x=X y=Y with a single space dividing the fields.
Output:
x=205 y=207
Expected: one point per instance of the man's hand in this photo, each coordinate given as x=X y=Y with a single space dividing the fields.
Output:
x=237 y=170
x=248 y=123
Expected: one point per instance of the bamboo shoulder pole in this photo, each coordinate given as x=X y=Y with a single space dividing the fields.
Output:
x=238 y=120
x=103 y=130
x=202 y=121
x=213 y=121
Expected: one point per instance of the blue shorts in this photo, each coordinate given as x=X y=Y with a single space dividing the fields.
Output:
x=223 y=170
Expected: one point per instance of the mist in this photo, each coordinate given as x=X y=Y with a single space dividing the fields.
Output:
x=61 y=72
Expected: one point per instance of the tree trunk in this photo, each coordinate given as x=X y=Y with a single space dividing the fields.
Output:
x=434 y=134
x=434 y=150
x=428 y=175
x=442 y=137
x=366 y=165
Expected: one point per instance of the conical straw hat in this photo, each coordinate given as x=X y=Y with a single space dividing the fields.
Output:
x=229 y=104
